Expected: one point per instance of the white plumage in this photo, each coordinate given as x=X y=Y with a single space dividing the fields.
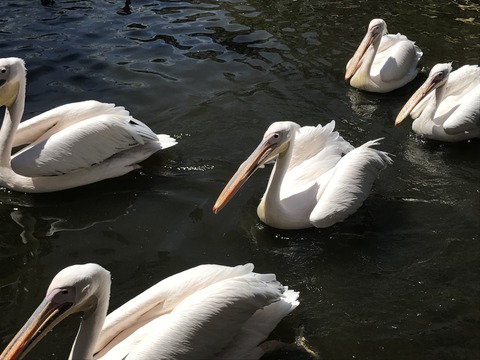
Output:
x=312 y=183
x=71 y=145
x=447 y=106
x=207 y=312
x=383 y=62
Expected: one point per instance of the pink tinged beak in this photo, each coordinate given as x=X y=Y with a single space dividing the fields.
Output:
x=45 y=317
x=258 y=158
x=356 y=60
x=428 y=86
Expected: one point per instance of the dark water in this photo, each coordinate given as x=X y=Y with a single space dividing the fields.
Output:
x=397 y=280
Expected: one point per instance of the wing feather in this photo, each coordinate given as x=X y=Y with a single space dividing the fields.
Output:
x=162 y=298
x=310 y=140
x=208 y=320
x=399 y=61
x=259 y=327
x=81 y=145
x=317 y=150
x=343 y=190
x=197 y=313
x=44 y=125
x=466 y=116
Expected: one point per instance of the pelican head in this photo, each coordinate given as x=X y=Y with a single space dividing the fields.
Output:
x=437 y=78
x=275 y=142
x=12 y=70
x=76 y=288
x=376 y=29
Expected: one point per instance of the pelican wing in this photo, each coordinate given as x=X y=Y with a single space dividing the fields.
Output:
x=344 y=188
x=311 y=140
x=316 y=150
x=46 y=124
x=210 y=319
x=204 y=310
x=466 y=116
x=461 y=103
x=162 y=298
x=396 y=58
x=462 y=80
x=81 y=145
x=259 y=327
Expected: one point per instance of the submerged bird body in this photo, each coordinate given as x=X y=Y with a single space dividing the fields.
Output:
x=207 y=312
x=318 y=178
x=383 y=62
x=69 y=146
x=447 y=106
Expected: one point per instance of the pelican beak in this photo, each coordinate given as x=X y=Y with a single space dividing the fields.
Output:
x=45 y=317
x=356 y=60
x=264 y=152
x=428 y=86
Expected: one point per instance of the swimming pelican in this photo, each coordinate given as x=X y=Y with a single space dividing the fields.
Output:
x=311 y=184
x=69 y=146
x=383 y=62
x=447 y=106
x=207 y=312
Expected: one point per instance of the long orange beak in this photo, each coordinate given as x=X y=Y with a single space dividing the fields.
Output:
x=428 y=86
x=356 y=60
x=45 y=317
x=262 y=154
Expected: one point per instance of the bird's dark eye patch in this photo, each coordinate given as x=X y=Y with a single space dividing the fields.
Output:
x=62 y=295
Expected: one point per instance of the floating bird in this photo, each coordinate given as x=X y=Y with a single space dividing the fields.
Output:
x=383 y=62
x=447 y=106
x=311 y=183
x=207 y=312
x=69 y=146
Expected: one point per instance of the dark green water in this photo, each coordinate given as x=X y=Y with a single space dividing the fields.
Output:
x=400 y=279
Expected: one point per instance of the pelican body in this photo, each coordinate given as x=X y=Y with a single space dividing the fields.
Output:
x=318 y=178
x=207 y=312
x=383 y=62
x=447 y=106
x=69 y=146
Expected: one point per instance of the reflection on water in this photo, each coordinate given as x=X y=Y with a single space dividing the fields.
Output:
x=397 y=280
x=108 y=208
x=126 y=10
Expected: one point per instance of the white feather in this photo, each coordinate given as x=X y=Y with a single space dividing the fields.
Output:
x=207 y=312
x=385 y=64
x=69 y=146
x=452 y=112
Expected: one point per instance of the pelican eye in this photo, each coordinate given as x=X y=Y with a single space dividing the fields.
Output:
x=439 y=76
x=62 y=295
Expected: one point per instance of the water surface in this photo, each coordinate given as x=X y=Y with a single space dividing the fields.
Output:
x=397 y=280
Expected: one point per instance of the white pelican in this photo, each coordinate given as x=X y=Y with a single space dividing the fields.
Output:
x=207 y=312
x=72 y=145
x=447 y=106
x=383 y=62
x=311 y=183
